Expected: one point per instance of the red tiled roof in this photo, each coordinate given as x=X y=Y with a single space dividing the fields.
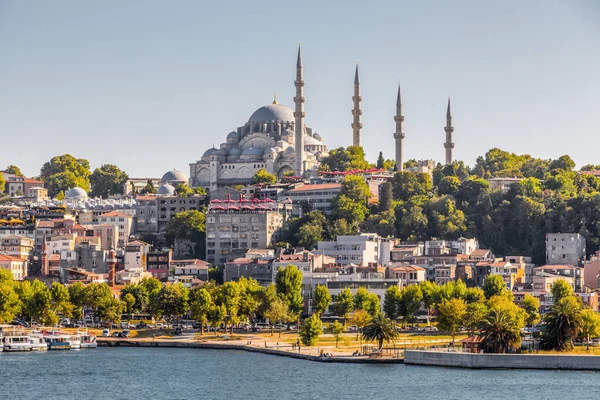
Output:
x=557 y=266
x=408 y=268
x=10 y=258
x=479 y=253
x=595 y=172
x=114 y=214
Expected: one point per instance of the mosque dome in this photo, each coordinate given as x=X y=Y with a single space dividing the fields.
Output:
x=311 y=141
x=174 y=176
x=233 y=137
x=289 y=150
x=211 y=152
x=76 y=193
x=165 y=189
x=318 y=137
x=253 y=151
x=234 y=152
x=273 y=112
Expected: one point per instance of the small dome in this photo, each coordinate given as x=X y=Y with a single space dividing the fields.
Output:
x=318 y=137
x=273 y=112
x=233 y=137
x=289 y=150
x=76 y=193
x=174 y=176
x=234 y=152
x=211 y=152
x=311 y=141
x=253 y=151
x=166 y=189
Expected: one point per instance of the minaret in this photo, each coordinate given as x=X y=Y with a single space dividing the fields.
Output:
x=356 y=111
x=111 y=262
x=449 y=129
x=299 y=117
x=399 y=135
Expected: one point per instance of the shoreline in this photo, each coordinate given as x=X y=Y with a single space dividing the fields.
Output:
x=114 y=342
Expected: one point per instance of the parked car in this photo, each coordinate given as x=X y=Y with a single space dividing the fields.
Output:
x=141 y=325
x=106 y=333
x=116 y=334
x=178 y=331
x=197 y=325
x=430 y=329
x=126 y=333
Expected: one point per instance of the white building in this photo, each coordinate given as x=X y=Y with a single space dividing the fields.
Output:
x=136 y=255
x=123 y=222
x=366 y=249
x=565 y=248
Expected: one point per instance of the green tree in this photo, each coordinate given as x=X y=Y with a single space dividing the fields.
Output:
x=494 y=285
x=531 y=305
x=322 y=299
x=360 y=319
x=364 y=300
x=310 y=330
x=36 y=300
x=98 y=296
x=380 y=160
x=451 y=315
x=77 y=294
x=108 y=180
x=412 y=296
x=183 y=190
x=344 y=303
x=111 y=310
x=129 y=302
x=14 y=170
x=61 y=300
x=563 y=323
x=561 y=289
x=430 y=297
x=187 y=227
x=355 y=188
x=65 y=172
x=172 y=301
x=2 y=185
x=309 y=235
x=288 y=283
x=563 y=162
x=231 y=300
x=262 y=176
x=408 y=184
x=499 y=332
x=10 y=305
x=381 y=329
x=201 y=306
x=590 y=325
x=337 y=330
x=341 y=159
x=449 y=185
x=216 y=316
x=350 y=210
x=385 y=197
x=391 y=303
x=476 y=314
x=149 y=188
x=140 y=296
x=278 y=312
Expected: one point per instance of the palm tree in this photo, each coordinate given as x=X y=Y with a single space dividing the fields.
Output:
x=562 y=325
x=381 y=329
x=498 y=332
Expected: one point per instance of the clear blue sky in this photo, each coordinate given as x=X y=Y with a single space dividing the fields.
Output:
x=150 y=85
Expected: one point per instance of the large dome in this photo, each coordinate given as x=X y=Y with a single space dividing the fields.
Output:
x=273 y=112
x=174 y=176
x=76 y=193
x=166 y=189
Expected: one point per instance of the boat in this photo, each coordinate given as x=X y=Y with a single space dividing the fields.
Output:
x=1 y=342
x=88 y=340
x=17 y=342
x=37 y=342
x=57 y=341
x=75 y=341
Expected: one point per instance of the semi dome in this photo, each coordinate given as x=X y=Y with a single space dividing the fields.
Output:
x=76 y=193
x=253 y=151
x=165 y=189
x=311 y=141
x=233 y=137
x=273 y=112
x=174 y=176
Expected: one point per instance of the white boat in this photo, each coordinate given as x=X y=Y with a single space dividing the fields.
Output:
x=17 y=342
x=88 y=341
x=1 y=342
x=75 y=341
x=57 y=340
x=38 y=342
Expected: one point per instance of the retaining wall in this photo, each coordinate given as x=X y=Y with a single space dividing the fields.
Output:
x=512 y=361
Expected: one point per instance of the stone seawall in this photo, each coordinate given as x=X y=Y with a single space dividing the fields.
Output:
x=114 y=342
x=509 y=361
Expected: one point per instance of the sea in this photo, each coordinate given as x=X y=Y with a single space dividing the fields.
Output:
x=153 y=373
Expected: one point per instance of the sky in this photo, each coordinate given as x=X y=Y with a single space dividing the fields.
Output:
x=150 y=85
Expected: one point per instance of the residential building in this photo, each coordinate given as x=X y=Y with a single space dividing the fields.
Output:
x=573 y=274
x=442 y=247
x=444 y=274
x=15 y=265
x=121 y=221
x=306 y=261
x=258 y=269
x=233 y=227
x=592 y=271
x=313 y=197
x=360 y=250
x=409 y=275
x=17 y=246
x=406 y=253
x=159 y=263
x=524 y=263
x=193 y=267
x=503 y=184
x=153 y=212
x=136 y=255
x=20 y=186
x=565 y=248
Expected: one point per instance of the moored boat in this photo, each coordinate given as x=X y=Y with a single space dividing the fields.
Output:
x=37 y=342
x=17 y=342
x=88 y=340
x=57 y=341
x=75 y=341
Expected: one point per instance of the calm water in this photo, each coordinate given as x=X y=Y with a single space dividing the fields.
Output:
x=137 y=373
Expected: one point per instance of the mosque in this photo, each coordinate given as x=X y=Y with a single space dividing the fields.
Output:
x=276 y=139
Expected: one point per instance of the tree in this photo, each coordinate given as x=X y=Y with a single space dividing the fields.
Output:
x=172 y=300
x=356 y=188
x=364 y=300
x=408 y=184
x=380 y=160
x=381 y=329
x=344 y=303
x=531 y=305
x=288 y=283
x=341 y=159
x=337 y=330
x=108 y=180
x=216 y=316
x=111 y=310
x=494 y=285
x=360 y=319
x=149 y=188
x=391 y=302
x=430 y=297
x=65 y=172
x=36 y=300
x=451 y=315
x=14 y=170
x=97 y=296
x=60 y=300
x=201 y=307
x=563 y=162
x=385 y=197
x=2 y=185
x=410 y=301
x=140 y=296
x=476 y=314
x=563 y=323
x=277 y=312
x=231 y=300
x=350 y=210
x=262 y=176
x=310 y=330
x=129 y=302
x=590 y=325
x=560 y=289
x=77 y=294
x=10 y=305
x=499 y=332
x=187 y=227
x=449 y=185
x=309 y=235
x=322 y=299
